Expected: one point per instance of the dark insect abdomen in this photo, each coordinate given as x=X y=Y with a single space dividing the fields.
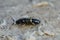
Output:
x=23 y=21
x=27 y=21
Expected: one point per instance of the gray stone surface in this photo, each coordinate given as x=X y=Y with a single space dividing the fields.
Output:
x=48 y=29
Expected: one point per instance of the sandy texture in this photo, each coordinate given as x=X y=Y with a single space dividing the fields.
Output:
x=48 y=29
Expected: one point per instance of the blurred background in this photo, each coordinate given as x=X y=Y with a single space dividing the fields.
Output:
x=48 y=29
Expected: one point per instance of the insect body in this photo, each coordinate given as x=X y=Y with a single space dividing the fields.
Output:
x=27 y=21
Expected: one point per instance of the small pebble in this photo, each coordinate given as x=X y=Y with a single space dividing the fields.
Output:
x=49 y=33
x=43 y=4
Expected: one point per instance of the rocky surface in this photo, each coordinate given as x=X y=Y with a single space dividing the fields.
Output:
x=48 y=29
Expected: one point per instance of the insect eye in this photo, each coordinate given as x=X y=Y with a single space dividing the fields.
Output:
x=17 y=22
x=35 y=21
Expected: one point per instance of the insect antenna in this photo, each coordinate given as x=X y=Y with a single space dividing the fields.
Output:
x=13 y=19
